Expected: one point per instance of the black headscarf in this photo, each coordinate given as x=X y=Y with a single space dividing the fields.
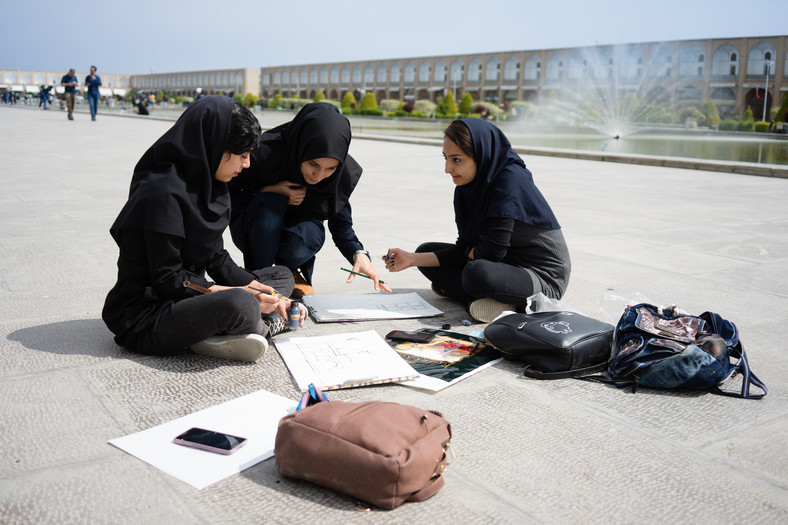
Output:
x=173 y=188
x=318 y=130
x=503 y=186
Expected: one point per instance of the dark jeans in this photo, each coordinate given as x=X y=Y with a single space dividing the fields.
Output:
x=93 y=103
x=264 y=239
x=227 y=312
x=481 y=278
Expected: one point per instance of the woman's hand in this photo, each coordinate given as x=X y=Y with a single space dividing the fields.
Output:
x=397 y=260
x=270 y=300
x=295 y=193
x=362 y=264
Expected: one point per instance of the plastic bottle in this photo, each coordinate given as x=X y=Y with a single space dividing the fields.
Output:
x=295 y=316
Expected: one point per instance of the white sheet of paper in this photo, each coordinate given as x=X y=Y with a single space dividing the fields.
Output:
x=254 y=416
x=342 y=360
x=368 y=307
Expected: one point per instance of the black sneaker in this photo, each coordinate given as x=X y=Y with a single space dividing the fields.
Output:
x=275 y=324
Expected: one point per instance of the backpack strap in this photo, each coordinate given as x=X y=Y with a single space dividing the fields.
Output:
x=536 y=373
x=748 y=378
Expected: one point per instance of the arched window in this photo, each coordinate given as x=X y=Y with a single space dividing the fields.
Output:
x=313 y=76
x=457 y=68
x=424 y=72
x=511 y=69
x=725 y=62
x=493 y=70
x=759 y=59
x=578 y=66
x=345 y=75
x=396 y=73
x=333 y=75
x=357 y=74
x=691 y=61
x=382 y=74
x=410 y=73
x=661 y=63
x=555 y=68
x=474 y=70
x=440 y=72
x=323 y=76
x=533 y=68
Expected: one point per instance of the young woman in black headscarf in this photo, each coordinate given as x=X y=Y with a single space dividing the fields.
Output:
x=170 y=234
x=300 y=176
x=509 y=246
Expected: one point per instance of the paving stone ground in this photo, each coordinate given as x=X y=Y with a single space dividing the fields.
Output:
x=527 y=451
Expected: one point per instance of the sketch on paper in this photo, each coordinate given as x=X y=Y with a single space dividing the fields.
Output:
x=342 y=360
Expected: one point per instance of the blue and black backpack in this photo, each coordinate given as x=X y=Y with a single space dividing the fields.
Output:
x=662 y=348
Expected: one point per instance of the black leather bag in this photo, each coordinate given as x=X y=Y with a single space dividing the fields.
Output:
x=554 y=345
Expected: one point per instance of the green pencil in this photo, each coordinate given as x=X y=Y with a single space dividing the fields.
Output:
x=361 y=274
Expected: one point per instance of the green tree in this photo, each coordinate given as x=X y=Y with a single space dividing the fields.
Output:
x=466 y=102
x=319 y=96
x=748 y=122
x=451 y=105
x=782 y=111
x=368 y=101
x=349 y=101
x=710 y=113
x=251 y=100
x=274 y=102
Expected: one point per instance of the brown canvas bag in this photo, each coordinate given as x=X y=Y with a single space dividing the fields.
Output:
x=380 y=452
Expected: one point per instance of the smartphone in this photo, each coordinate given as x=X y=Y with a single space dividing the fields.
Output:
x=411 y=337
x=210 y=441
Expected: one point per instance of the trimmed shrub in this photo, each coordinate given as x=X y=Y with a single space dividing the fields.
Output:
x=465 y=103
x=368 y=101
x=748 y=122
x=761 y=127
x=251 y=100
x=425 y=106
x=377 y=112
x=349 y=101
x=730 y=124
x=390 y=105
x=319 y=97
x=709 y=110
x=274 y=102
x=347 y=110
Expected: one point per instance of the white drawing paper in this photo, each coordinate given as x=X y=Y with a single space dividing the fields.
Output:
x=368 y=307
x=254 y=416
x=342 y=360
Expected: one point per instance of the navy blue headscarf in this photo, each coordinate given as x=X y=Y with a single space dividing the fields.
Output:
x=503 y=186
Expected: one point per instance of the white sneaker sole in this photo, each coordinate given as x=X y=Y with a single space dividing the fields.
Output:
x=247 y=347
x=485 y=310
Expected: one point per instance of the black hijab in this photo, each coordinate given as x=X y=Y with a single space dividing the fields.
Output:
x=318 y=130
x=173 y=189
x=503 y=186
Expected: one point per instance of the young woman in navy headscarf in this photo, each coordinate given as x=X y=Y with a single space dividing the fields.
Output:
x=170 y=235
x=509 y=246
x=300 y=176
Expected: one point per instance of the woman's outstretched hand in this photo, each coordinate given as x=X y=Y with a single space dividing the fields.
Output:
x=397 y=259
x=362 y=264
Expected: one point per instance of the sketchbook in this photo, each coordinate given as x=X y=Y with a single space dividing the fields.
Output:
x=447 y=359
x=368 y=307
x=345 y=360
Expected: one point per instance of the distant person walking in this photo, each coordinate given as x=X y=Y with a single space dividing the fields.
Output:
x=93 y=81
x=70 y=83
x=44 y=96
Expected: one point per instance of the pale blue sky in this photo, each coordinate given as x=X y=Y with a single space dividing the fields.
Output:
x=130 y=37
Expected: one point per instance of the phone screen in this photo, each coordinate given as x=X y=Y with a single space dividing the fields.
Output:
x=210 y=440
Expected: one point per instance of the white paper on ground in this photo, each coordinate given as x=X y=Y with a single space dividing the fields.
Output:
x=254 y=416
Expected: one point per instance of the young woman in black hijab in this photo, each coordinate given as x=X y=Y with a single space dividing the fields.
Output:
x=170 y=234
x=509 y=246
x=300 y=176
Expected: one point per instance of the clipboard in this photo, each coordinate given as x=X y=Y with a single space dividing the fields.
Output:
x=368 y=307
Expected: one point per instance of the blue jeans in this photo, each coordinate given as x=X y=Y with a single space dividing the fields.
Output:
x=266 y=239
x=93 y=103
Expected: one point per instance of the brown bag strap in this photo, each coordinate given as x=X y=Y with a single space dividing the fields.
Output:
x=197 y=287
x=436 y=483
